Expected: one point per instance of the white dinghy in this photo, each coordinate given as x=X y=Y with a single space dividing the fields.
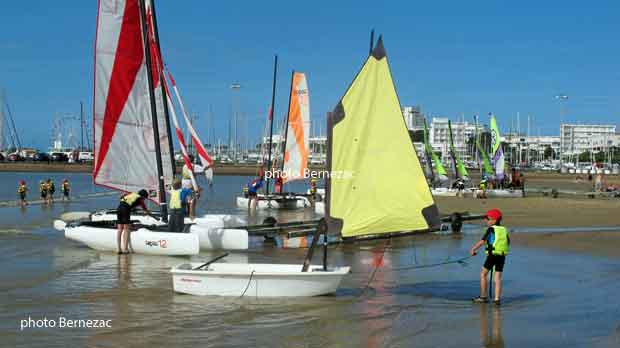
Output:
x=258 y=280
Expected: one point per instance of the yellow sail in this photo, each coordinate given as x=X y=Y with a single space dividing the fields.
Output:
x=376 y=182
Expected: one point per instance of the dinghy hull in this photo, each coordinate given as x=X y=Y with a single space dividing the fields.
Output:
x=256 y=280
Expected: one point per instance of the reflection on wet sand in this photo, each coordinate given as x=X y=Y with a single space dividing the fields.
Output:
x=491 y=337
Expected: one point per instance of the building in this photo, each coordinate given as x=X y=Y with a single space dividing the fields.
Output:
x=461 y=133
x=528 y=149
x=413 y=117
x=578 y=138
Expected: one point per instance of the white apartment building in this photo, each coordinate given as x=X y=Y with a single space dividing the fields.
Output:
x=413 y=117
x=578 y=138
x=461 y=132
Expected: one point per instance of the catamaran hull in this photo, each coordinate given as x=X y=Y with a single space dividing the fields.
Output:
x=504 y=193
x=256 y=280
x=143 y=241
x=287 y=204
x=210 y=229
x=443 y=192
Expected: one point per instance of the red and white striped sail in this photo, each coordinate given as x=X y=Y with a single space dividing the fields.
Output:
x=158 y=75
x=125 y=156
x=297 y=134
x=205 y=159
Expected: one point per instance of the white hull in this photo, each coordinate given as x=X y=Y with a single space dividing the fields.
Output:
x=210 y=229
x=319 y=208
x=256 y=280
x=143 y=241
x=443 y=192
x=262 y=203
x=504 y=193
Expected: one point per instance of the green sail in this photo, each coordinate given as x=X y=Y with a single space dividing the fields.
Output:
x=461 y=172
x=376 y=183
x=439 y=169
x=486 y=163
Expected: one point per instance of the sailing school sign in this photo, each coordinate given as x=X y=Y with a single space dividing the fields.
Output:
x=311 y=174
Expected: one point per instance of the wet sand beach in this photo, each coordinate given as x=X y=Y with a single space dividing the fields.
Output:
x=392 y=298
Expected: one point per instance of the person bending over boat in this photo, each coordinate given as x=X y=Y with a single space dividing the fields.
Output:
x=22 y=190
x=497 y=246
x=253 y=188
x=128 y=202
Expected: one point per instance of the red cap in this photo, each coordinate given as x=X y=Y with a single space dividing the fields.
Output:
x=494 y=214
x=22 y=182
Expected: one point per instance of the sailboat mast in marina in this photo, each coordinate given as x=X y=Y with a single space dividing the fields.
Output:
x=271 y=113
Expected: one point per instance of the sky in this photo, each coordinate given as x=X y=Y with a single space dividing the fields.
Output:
x=453 y=58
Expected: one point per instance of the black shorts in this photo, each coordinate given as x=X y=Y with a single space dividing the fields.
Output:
x=252 y=194
x=22 y=195
x=495 y=260
x=43 y=194
x=123 y=214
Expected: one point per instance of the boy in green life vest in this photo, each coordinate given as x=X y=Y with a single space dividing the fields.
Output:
x=497 y=247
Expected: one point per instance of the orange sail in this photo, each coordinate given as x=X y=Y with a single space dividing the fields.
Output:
x=297 y=133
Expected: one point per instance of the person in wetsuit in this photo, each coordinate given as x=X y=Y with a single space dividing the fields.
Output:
x=128 y=202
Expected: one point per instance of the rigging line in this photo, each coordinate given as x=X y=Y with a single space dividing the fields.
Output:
x=462 y=261
x=377 y=264
x=248 y=285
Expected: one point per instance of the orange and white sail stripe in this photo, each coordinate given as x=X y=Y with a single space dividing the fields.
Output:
x=297 y=134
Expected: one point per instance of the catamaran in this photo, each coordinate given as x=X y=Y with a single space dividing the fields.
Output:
x=370 y=156
x=294 y=163
x=133 y=149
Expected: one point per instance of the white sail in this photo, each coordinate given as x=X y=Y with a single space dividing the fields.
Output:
x=125 y=156
x=297 y=134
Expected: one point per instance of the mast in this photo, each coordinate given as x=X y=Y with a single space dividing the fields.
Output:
x=81 y=126
x=288 y=114
x=273 y=107
x=427 y=151
x=161 y=87
x=160 y=169
x=372 y=41
x=452 y=154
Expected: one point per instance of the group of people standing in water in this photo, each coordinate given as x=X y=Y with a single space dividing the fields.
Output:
x=47 y=189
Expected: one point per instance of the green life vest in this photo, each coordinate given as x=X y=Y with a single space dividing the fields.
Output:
x=500 y=243
x=175 y=199
x=130 y=198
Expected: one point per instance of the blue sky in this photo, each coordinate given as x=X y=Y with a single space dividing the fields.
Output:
x=450 y=57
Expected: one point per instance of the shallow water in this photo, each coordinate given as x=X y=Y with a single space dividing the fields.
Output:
x=551 y=298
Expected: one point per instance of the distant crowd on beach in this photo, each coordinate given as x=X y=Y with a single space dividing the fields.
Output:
x=47 y=189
